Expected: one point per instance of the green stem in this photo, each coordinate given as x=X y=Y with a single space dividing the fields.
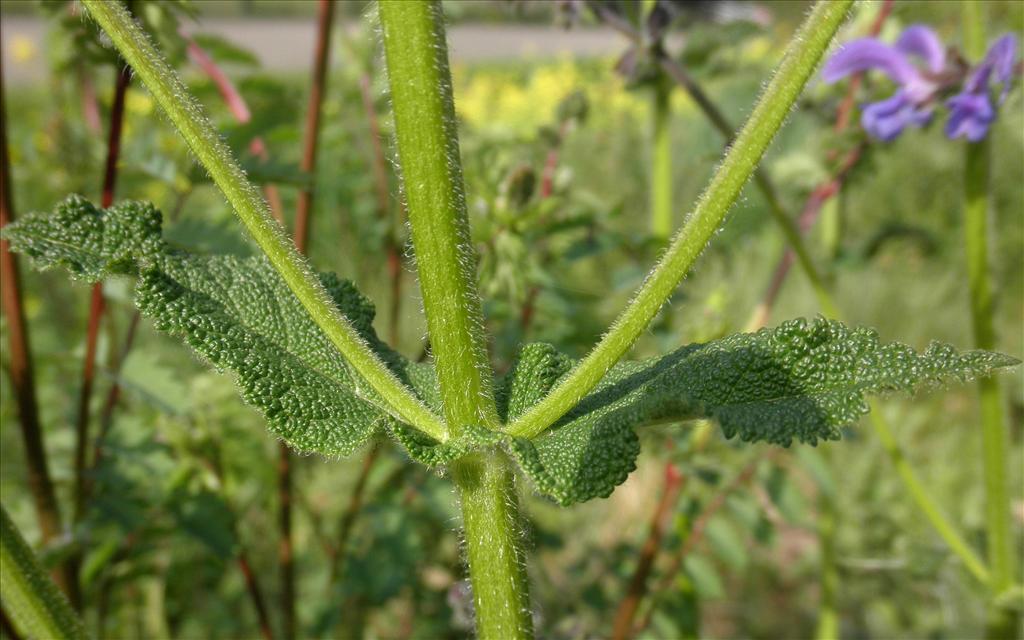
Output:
x=828 y=523
x=772 y=109
x=188 y=117
x=33 y=601
x=661 y=166
x=428 y=153
x=494 y=547
x=919 y=494
x=993 y=429
x=915 y=487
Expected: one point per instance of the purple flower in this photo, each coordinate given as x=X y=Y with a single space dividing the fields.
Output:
x=971 y=110
x=913 y=102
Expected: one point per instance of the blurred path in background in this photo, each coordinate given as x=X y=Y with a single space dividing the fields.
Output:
x=287 y=44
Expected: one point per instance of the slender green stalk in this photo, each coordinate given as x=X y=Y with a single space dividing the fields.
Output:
x=36 y=605
x=494 y=547
x=774 y=105
x=828 y=523
x=661 y=165
x=995 y=445
x=431 y=172
x=919 y=494
x=188 y=117
x=428 y=151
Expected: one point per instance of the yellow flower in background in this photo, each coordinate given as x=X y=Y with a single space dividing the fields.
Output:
x=22 y=49
x=502 y=99
x=139 y=103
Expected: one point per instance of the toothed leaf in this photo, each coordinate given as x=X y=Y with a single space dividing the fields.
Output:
x=91 y=244
x=237 y=313
x=800 y=381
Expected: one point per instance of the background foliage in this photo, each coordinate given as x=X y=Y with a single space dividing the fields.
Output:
x=186 y=487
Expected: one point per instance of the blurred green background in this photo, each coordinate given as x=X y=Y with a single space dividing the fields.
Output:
x=190 y=484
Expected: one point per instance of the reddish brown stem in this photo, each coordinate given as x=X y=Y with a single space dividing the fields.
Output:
x=325 y=20
x=845 y=110
x=110 y=403
x=825 y=191
x=96 y=301
x=696 y=534
x=21 y=370
x=285 y=557
x=255 y=594
x=96 y=307
x=671 y=487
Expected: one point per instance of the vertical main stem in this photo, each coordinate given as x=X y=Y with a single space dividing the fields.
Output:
x=494 y=547
x=661 y=165
x=431 y=172
x=993 y=428
x=21 y=370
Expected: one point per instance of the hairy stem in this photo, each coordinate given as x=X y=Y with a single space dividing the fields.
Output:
x=494 y=548
x=661 y=165
x=188 y=117
x=995 y=445
x=743 y=156
x=431 y=171
x=22 y=374
x=428 y=150
x=34 y=603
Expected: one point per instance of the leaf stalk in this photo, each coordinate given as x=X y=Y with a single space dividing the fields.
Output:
x=802 y=57
x=188 y=117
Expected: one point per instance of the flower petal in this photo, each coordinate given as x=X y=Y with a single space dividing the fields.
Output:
x=869 y=53
x=887 y=118
x=921 y=41
x=970 y=116
x=1002 y=55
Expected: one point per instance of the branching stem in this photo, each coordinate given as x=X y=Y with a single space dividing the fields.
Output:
x=431 y=172
x=774 y=105
x=193 y=125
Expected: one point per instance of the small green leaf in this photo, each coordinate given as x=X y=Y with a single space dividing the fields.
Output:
x=800 y=381
x=90 y=243
x=237 y=313
x=705 y=577
x=727 y=543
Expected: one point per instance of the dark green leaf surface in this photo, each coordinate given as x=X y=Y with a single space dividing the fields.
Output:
x=236 y=313
x=800 y=381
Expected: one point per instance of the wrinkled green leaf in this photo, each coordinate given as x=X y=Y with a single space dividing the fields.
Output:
x=237 y=313
x=804 y=380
